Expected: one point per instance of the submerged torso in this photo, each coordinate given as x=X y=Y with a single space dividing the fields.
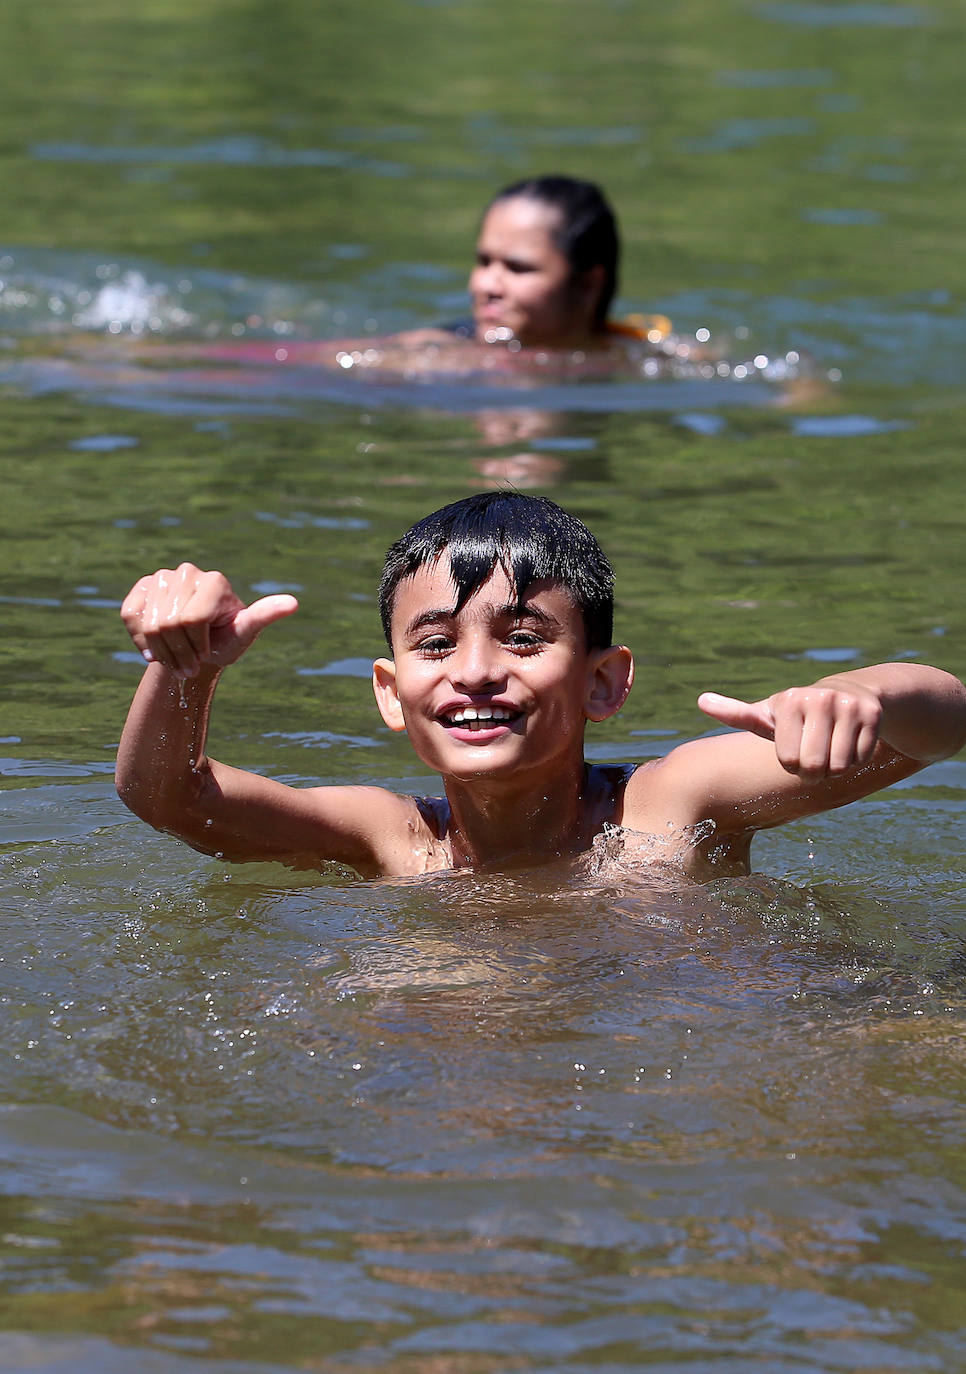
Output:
x=643 y=838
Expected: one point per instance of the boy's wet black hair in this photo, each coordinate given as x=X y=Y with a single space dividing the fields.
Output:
x=531 y=537
x=587 y=231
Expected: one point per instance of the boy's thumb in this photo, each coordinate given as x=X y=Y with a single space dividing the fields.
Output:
x=755 y=716
x=251 y=620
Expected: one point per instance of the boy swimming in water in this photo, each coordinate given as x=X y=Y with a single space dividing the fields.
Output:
x=498 y=613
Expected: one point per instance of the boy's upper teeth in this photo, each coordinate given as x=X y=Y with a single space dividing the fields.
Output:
x=464 y=713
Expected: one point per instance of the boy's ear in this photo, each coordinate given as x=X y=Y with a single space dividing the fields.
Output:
x=610 y=676
x=387 y=699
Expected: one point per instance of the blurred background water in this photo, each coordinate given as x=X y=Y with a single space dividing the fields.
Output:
x=257 y=1122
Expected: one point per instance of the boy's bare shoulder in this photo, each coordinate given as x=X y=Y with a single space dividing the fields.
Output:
x=666 y=791
x=377 y=832
x=415 y=839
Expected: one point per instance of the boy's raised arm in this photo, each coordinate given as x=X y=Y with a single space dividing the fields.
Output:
x=189 y=625
x=810 y=749
x=832 y=727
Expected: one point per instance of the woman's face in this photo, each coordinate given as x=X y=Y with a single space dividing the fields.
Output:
x=524 y=283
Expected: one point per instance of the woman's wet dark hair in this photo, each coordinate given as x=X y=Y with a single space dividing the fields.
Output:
x=587 y=231
x=531 y=537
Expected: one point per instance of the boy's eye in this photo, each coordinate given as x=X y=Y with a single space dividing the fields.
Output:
x=523 y=639
x=436 y=644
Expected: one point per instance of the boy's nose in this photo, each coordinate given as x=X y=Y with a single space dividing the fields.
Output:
x=475 y=668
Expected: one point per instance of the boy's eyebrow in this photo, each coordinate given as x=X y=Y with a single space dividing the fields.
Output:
x=511 y=611
x=516 y=610
x=430 y=617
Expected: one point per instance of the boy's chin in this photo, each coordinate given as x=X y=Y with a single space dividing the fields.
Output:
x=499 y=762
x=464 y=762
x=476 y=766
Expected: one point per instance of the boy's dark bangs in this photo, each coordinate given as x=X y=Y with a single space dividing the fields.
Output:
x=473 y=558
x=530 y=537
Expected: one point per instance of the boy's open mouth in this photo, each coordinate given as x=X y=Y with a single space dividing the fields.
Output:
x=475 y=718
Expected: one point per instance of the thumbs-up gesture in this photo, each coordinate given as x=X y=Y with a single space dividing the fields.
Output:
x=185 y=618
x=819 y=732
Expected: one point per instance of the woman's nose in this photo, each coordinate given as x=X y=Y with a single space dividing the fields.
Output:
x=487 y=280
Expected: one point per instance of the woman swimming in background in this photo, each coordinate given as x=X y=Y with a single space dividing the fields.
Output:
x=541 y=291
x=544 y=279
x=546 y=268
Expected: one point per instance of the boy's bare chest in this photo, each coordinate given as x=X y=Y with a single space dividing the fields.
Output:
x=650 y=828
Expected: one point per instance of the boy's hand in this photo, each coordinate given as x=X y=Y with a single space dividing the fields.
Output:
x=819 y=732
x=186 y=618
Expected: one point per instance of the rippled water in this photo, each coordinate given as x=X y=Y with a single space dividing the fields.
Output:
x=555 y=1120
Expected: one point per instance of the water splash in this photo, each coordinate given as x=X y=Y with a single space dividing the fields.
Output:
x=44 y=292
x=619 y=850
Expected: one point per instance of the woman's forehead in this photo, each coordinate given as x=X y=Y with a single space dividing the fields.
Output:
x=522 y=217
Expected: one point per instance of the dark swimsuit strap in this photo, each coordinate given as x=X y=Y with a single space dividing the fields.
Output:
x=435 y=810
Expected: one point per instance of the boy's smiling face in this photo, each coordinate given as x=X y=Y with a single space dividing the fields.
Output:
x=494 y=690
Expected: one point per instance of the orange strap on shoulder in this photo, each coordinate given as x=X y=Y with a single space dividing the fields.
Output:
x=649 y=328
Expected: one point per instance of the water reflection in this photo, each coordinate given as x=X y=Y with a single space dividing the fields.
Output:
x=412 y=1111
x=233 y=150
x=847 y=15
